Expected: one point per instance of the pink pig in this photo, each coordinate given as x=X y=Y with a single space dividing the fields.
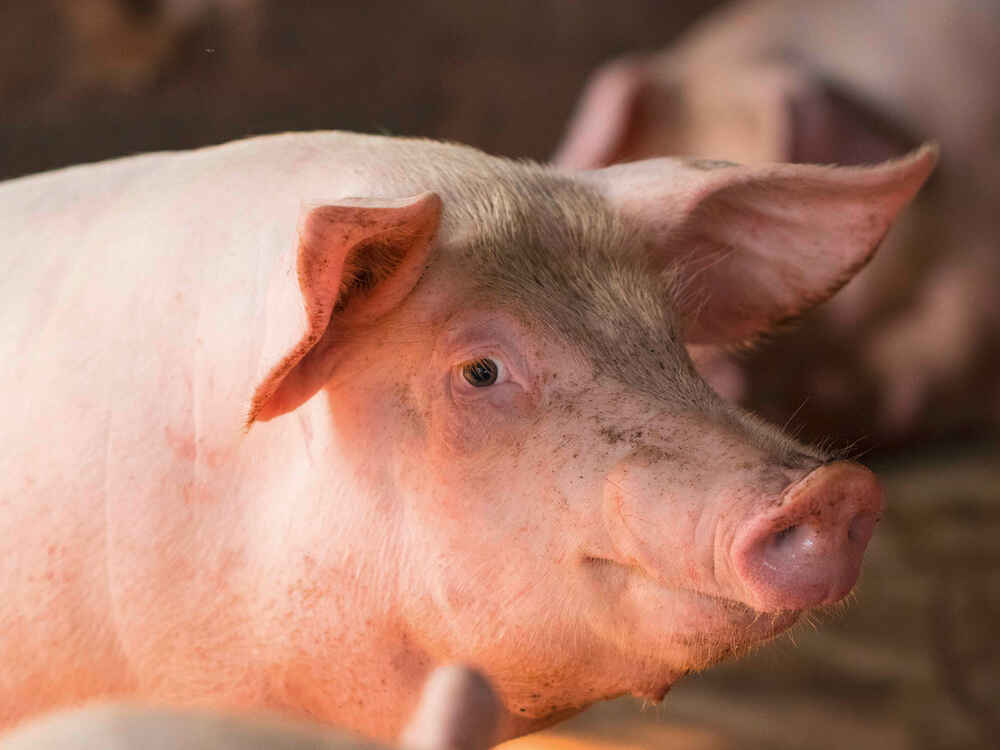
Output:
x=296 y=419
x=910 y=348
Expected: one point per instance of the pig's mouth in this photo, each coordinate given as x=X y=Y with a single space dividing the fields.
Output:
x=747 y=627
x=728 y=629
x=729 y=624
x=706 y=628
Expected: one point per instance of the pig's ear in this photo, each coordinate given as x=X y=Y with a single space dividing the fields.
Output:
x=355 y=262
x=757 y=245
x=816 y=121
x=606 y=116
x=776 y=111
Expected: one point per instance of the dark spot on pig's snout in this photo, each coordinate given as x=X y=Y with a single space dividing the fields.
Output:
x=612 y=434
x=773 y=479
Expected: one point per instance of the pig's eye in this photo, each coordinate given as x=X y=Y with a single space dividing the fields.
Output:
x=481 y=372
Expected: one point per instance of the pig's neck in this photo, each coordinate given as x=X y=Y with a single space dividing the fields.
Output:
x=322 y=584
x=379 y=674
x=373 y=683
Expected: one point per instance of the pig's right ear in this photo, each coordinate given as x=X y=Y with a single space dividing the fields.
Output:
x=753 y=246
x=354 y=262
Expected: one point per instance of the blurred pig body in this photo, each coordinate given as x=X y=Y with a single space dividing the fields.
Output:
x=295 y=419
x=911 y=345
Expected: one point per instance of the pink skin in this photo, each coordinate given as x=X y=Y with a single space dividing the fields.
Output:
x=595 y=522
x=837 y=82
x=808 y=551
x=615 y=577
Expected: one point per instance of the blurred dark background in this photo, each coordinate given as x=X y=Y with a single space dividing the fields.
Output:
x=914 y=663
x=84 y=80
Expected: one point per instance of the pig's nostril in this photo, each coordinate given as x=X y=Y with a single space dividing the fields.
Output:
x=784 y=534
x=789 y=547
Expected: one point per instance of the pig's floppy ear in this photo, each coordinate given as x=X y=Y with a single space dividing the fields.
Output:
x=606 y=116
x=757 y=245
x=355 y=262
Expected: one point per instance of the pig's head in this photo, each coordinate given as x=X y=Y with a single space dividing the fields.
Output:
x=548 y=489
x=750 y=111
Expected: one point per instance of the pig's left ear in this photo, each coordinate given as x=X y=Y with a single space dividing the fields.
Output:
x=758 y=245
x=355 y=262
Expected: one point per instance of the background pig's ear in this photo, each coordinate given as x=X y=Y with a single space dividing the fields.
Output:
x=354 y=263
x=606 y=116
x=818 y=122
x=773 y=111
x=757 y=245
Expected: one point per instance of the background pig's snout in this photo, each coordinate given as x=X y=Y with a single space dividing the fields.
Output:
x=808 y=550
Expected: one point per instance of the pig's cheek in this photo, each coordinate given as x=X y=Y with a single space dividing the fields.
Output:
x=481 y=427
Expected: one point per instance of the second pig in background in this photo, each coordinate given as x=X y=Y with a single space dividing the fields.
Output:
x=911 y=347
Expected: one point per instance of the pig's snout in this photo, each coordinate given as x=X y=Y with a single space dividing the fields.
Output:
x=808 y=550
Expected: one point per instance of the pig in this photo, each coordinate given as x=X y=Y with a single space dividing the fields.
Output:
x=301 y=417
x=910 y=349
x=457 y=711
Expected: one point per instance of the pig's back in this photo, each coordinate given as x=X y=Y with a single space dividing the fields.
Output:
x=130 y=316
x=130 y=299
x=85 y=283
x=118 y=277
x=66 y=285
x=57 y=341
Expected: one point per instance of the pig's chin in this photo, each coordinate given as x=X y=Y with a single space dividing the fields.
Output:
x=716 y=629
x=690 y=630
x=729 y=628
